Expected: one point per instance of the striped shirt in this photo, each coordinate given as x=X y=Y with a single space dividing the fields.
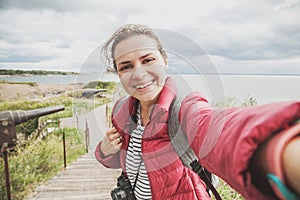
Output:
x=135 y=167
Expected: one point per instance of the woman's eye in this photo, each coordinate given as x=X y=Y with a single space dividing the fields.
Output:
x=147 y=60
x=124 y=67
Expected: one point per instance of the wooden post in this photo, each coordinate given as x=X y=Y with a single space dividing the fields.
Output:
x=87 y=137
x=64 y=149
x=4 y=151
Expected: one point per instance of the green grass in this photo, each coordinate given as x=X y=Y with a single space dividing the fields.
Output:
x=227 y=193
x=35 y=104
x=21 y=83
x=40 y=160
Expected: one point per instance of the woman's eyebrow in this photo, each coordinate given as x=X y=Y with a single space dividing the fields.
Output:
x=127 y=61
x=145 y=56
x=123 y=62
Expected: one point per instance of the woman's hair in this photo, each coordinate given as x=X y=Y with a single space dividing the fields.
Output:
x=123 y=33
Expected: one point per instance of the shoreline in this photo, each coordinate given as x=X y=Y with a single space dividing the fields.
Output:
x=264 y=89
x=27 y=91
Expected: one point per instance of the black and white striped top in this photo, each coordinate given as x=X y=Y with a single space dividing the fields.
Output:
x=135 y=167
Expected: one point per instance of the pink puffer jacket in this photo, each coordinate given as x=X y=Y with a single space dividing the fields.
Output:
x=224 y=141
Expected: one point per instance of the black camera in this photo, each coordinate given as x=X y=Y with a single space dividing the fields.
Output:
x=124 y=190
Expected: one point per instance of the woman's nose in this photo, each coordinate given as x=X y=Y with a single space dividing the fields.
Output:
x=139 y=72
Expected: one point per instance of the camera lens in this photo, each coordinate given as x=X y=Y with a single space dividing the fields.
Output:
x=118 y=194
x=114 y=196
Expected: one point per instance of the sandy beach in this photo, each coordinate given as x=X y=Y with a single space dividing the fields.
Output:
x=15 y=92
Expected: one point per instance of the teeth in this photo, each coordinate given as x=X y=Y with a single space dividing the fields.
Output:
x=143 y=85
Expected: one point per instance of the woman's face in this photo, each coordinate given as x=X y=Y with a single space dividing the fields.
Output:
x=141 y=67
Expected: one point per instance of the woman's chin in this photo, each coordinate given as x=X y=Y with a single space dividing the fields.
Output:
x=146 y=97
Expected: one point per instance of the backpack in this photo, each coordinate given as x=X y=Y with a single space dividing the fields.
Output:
x=181 y=146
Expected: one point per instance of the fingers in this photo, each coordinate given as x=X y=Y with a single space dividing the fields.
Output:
x=112 y=134
x=112 y=143
x=116 y=141
x=119 y=146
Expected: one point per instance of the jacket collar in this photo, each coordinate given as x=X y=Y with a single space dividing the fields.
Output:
x=165 y=98
x=159 y=110
x=163 y=101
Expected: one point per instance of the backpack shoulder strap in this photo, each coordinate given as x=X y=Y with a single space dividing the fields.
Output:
x=182 y=147
x=119 y=104
x=178 y=138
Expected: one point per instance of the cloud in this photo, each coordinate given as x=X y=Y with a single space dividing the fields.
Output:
x=58 y=34
x=57 y=5
x=251 y=31
x=285 y=5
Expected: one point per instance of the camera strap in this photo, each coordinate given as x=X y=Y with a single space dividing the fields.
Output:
x=137 y=175
x=135 y=181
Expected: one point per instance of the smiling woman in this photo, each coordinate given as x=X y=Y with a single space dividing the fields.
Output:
x=224 y=140
x=141 y=68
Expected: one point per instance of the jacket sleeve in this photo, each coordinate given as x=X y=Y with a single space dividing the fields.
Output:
x=225 y=139
x=111 y=161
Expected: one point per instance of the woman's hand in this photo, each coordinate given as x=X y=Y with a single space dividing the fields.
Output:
x=291 y=163
x=111 y=143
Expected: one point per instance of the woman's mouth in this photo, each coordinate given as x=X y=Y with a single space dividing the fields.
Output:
x=144 y=85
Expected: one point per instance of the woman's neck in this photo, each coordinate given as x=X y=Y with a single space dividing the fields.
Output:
x=146 y=108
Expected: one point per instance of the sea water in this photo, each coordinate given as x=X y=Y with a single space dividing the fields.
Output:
x=263 y=88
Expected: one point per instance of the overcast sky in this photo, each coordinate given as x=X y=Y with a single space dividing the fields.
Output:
x=249 y=36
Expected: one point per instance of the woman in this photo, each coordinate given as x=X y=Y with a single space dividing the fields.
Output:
x=139 y=142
